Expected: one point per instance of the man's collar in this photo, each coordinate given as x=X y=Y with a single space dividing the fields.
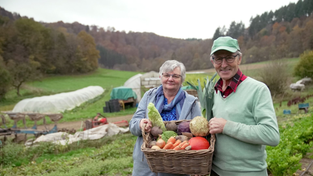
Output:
x=233 y=83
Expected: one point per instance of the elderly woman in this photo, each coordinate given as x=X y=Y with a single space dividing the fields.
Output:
x=172 y=103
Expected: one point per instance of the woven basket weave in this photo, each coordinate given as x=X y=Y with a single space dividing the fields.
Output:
x=178 y=161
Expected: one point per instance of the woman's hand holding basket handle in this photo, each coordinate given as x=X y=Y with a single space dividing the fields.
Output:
x=146 y=124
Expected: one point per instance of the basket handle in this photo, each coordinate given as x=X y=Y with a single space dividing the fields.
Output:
x=213 y=139
x=146 y=137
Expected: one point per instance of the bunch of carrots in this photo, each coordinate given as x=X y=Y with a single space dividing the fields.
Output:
x=171 y=143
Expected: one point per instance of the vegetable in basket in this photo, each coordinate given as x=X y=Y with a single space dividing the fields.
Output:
x=206 y=96
x=155 y=117
x=167 y=134
x=199 y=143
x=171 y=126
x=183 y=127
x=199 y=126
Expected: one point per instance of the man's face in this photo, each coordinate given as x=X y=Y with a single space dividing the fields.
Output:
x=226 y=64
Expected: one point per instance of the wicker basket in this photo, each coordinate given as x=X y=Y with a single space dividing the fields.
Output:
x=178 y=161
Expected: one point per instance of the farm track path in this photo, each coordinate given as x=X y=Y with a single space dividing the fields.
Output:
x=78 y=124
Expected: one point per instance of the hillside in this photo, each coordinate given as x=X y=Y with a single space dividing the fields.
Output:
x=271 y=35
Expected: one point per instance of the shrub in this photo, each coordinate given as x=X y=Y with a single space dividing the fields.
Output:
x=275 y=76
x=304 y=68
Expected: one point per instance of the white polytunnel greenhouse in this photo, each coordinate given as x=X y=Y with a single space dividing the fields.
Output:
x=59 y=102
x=134 y=83
x=148 y=80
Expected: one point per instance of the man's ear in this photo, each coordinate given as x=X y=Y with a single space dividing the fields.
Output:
x=212 y=60
x=240 y=58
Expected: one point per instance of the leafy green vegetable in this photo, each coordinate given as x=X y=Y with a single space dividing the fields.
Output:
x=206 y=96
x=155 y=117
x=167 y=134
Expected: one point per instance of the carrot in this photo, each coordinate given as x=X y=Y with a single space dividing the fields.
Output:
x=176 y=143
x=184 y=142
x=178 y=148
x=185 y=145
x=171 y=139
x=169 y=145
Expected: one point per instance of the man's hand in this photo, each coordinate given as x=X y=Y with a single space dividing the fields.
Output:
x=145 y=123
x=217 y=125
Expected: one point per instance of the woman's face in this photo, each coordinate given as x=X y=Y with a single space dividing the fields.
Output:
x=171 y=80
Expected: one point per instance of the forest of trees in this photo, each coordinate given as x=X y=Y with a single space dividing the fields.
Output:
x=270 y=35
x=29 y=49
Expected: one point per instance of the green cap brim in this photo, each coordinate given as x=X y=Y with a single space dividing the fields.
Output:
x=230 y=49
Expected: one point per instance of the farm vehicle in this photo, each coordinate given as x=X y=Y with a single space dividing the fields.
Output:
x=99 y=119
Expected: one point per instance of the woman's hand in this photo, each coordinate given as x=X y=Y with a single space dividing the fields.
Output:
x=217 y=125
x=145 y=123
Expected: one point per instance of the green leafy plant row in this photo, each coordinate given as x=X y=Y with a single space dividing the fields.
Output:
x=295 y=142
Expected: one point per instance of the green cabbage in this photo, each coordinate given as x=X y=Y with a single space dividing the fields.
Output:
x=155 y=117
x=167 y=134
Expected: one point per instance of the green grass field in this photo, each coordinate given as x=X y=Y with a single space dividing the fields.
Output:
x=108 y=79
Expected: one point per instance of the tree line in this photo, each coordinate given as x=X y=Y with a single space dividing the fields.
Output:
x=29 y=49
x=270 y=35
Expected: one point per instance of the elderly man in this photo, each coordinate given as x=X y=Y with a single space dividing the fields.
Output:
x=244 y=119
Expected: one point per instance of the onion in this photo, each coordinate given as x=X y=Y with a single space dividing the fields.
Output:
x=160 y=142
x=155 y=147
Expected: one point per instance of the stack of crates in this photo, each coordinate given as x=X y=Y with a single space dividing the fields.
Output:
x=111 y=106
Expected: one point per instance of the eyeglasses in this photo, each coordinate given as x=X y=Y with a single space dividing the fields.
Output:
x=229 y=59
x=174 y=76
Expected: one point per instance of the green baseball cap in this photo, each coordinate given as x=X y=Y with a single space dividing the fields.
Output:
x=225 y=43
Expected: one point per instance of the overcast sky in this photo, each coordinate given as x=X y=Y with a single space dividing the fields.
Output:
x=171 y=18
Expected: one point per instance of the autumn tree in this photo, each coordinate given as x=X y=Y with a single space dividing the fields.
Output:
x=22 y=54
x=89 y=52
x=22 y=72
x=5 y=79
